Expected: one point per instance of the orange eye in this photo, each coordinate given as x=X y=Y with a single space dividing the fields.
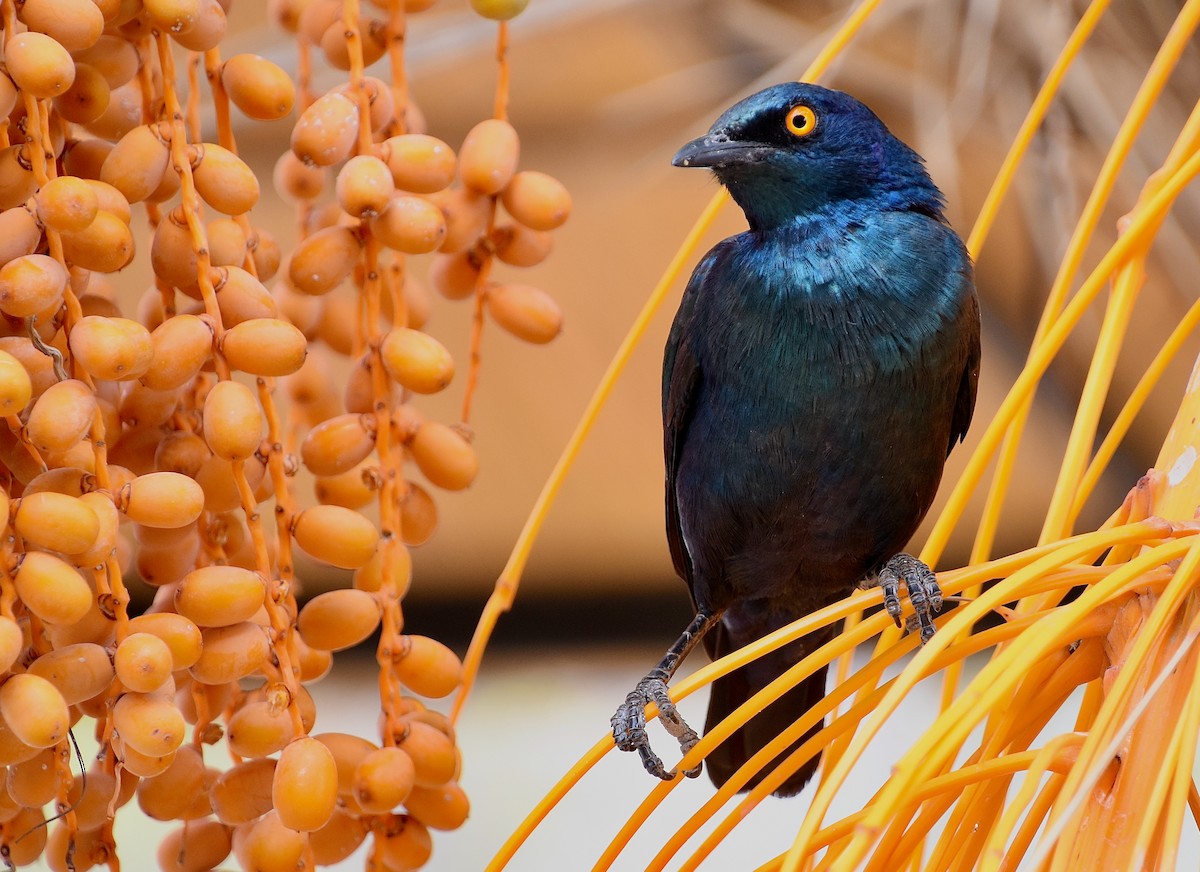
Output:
x=801 y=120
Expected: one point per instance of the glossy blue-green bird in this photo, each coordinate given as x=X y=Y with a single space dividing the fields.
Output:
x=819 y=370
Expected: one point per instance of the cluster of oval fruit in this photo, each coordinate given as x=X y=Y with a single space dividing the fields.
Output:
x=143 y=438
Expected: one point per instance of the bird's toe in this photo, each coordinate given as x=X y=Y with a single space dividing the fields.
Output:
x=629 y=723
x=629 y=726
x=923 y=592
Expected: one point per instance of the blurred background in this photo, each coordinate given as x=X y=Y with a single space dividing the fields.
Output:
x=603 y=93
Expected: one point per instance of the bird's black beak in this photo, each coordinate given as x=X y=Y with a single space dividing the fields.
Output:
x=715 y=149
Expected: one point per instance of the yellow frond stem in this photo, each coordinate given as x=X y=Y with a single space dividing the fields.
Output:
x=1054 y=849
x=1093 y=696
x=1033 y=821
x=993 y=506
x=837 y=43
x=969 y=578
x=1041 y=693
x=1181 y=782
x=1142 y=223
x=1055 y=756
x=846 y=662
x=1180 y=495
x=1147 y=94
x=1032 y=123
x=803 y=669
x=991 y=685
x=1144 y=789
x=1014 y=420
x=547 y=803
x=1126 y=285
x=991 y=858
x=847 y=722
x=1133 y=406
x=1110 y=721
x=1154 y=797
x=869 y=674
x=1029 y=571
x=907 y=841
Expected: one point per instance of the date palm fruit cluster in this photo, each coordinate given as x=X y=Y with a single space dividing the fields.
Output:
x=154 y=434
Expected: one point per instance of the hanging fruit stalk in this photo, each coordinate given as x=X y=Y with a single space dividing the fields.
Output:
x=149 y=440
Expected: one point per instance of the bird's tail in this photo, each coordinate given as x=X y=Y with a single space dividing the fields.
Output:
x=734 y=689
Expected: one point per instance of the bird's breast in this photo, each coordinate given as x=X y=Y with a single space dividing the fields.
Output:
x=817 y=374
x=837 y=305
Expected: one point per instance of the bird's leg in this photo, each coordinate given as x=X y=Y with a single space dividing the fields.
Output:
x=629 y=722
x=922 y=586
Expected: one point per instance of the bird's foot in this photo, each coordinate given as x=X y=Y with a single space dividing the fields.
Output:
x=922 y=587
x=629 y=726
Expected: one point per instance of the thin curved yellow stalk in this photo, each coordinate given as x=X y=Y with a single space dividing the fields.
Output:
x=953 y=725
x=993 y=855
x=1082 y=775
x=1050 y=558
x=1184 y=146
x=1141 y=225
x=1151 y=86
x=1092 y=698
x=1155 y=801
x=1032 y=123
x=1055 y=756
x=963 y=849
x=965 y=833
x=1124 y=294
x=867 y=703
x=1083 y=547
x=1041 y=692
x=680 y=690
x=1181 y=783
x=994 y=503
x=1167 y=57
x=1144 y=788
x=846 y=723
x=1033 y=821
x=1126 y=285
x=1017 y=402
x=1177 y=498
x=846 y=662
x=1181 y=493
x=1133 y=406
x=739 y=717
x=547 y=803
x=993 y=506
x=868 y=675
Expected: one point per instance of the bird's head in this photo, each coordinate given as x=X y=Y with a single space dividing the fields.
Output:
x=797 y=149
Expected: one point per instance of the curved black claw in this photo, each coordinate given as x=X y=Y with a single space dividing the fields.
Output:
x=923 y=591
x=629 y=726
